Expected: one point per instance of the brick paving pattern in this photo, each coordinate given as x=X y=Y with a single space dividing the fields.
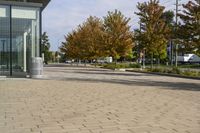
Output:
x=91 y=100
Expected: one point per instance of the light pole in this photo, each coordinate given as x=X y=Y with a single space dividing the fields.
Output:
x=176 y=27
x=144 y=54
x=171 y=52
x=176 y=53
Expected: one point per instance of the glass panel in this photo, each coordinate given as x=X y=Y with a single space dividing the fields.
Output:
x=19 y=12
x=4 y=40
x=25 y=37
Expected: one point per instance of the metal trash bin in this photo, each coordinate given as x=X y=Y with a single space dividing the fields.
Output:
x=36 y=67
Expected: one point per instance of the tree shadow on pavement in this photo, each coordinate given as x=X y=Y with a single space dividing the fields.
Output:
x=114 y=73
x=139 y=82
x=88 y=75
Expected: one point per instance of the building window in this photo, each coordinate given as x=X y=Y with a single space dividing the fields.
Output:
x=19 y=38
x=25 y=36
x=4 y=40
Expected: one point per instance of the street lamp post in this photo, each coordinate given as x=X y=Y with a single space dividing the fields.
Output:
x=144 y=54
x=176 y=45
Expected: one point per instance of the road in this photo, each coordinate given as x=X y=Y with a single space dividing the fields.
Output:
x=93 y=100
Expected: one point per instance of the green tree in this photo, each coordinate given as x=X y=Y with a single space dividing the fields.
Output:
x=86 y=42
x=118 y=37
x=94 y=38
x=168 y=17
x=189 y=30
x=46 y=47
x=92 y=33
x=71 y=45
x=155 y=31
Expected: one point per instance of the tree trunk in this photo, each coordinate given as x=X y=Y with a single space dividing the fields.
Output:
x=158 y=61
x=115 y=63
x=95 y=62
x=151 y=61
x=172 y=53
x=77 y=62
x=176 y=56
x=85 y=63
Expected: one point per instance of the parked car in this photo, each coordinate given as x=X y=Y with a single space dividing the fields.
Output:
x=69 y=61
x=188 y=58
x=105 y=60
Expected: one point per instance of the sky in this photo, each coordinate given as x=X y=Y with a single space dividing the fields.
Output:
x=62 y=16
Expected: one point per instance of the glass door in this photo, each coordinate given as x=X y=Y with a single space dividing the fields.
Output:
x=25 y=38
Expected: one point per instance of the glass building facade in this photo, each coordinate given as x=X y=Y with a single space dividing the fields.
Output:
x=20 y=31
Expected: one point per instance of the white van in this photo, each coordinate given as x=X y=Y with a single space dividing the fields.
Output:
x=105 y=60
x=188 y=58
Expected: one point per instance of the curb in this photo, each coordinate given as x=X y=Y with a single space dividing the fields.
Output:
x=165 y=74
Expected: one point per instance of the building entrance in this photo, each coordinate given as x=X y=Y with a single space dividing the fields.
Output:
x=19 y=39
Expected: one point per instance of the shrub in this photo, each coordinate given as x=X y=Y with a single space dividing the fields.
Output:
x=191 y=73
x=109 y=66
x=134 y=66
x=120 y=65
x=166 y=70
x=175 y=70
x=156 y=70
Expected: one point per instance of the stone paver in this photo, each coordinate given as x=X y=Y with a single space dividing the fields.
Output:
x=91 y=100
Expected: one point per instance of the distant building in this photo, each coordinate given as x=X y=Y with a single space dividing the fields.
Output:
x=20 y=31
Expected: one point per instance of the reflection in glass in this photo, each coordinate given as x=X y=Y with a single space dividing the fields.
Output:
x=19 y=37
x=25 y=37
x=4 y=40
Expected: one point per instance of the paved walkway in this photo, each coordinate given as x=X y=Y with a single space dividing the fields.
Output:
x=91 y=100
